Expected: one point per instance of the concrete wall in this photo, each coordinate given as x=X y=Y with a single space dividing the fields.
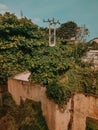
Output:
x=73 y=118
x=84 y=106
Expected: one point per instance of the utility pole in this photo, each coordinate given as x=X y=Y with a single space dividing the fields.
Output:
x=54 y=23
x=50 y=23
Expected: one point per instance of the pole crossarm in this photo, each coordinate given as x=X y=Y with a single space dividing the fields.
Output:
x=50 y=23
x=55 y=22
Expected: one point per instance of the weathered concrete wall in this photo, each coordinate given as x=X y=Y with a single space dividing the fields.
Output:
x=84 y=106
x=73 y=118
x=25 y=89
x=37 y=93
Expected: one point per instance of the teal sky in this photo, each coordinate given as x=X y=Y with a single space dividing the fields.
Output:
x=80 y=11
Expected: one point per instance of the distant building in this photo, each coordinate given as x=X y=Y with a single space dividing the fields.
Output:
x=92 y=57
x=95 y=40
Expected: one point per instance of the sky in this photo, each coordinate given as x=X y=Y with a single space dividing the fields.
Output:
x=79 y=11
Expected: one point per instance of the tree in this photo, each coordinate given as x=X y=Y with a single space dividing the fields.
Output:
x=18 y=40
x=67 y=30
x=70 y=30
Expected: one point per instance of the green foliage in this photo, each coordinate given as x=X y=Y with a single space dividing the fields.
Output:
x=67 y=30
x=18 y=40
x=48 y=65
x=58 y=93
x=83 y=80
x=71 y=31
x=61 y=70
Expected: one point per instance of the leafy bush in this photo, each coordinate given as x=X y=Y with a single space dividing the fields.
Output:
x=58 y=93
x=18 y=41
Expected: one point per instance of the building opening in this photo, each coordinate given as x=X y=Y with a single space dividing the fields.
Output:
x=91 y=124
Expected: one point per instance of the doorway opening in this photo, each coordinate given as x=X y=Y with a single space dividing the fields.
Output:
x=91 y=124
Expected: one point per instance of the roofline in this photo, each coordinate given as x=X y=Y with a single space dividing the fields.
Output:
x=93 y=39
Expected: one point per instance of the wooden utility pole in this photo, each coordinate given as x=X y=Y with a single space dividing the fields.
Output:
x=50 y=23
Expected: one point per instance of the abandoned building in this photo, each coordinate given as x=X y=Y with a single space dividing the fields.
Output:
x=78 y=109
